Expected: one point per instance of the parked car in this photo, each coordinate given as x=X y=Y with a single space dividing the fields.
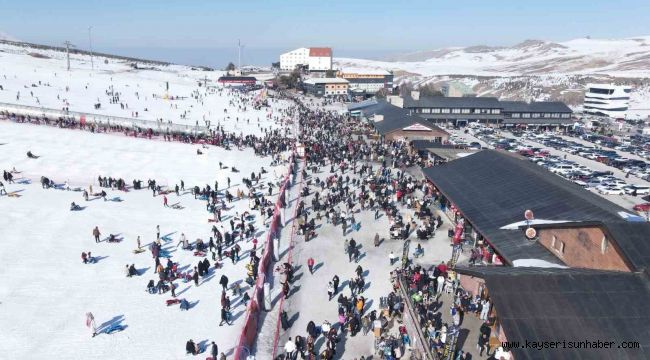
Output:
x=609 y=190
x=637 y=189
x=644 y=207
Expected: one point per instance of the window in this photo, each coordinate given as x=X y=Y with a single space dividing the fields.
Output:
x=435 y=111
x=426 y=111
x=455 y=111
x=444 y=111
x=525 y=115
x=566 y=116
x=465 y=111
x=557 y=245
x=516 y=115
x=496 y=111
x=536 y=115
x=604 y=244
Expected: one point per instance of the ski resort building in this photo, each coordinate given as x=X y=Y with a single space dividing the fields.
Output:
x=313 y=59
x=394 y=123
x=366 y=81
x=237 y=80
x=457 y=89
x=460 y=111
x=607 y=100
x=544 y=113
x=326 y=86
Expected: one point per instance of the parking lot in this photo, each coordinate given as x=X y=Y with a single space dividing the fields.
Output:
x=619 y=174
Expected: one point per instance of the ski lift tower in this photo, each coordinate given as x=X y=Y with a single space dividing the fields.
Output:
x=68 y=44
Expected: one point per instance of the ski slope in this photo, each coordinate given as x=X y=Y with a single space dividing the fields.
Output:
x=47 y=290
x=169 y=93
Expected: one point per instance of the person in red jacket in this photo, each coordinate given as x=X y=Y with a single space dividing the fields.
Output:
x=310 y=265
x=165 y=200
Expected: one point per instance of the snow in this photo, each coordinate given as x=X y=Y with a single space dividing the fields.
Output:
x=536 y=263
x=80 y=156
x=47 y=290
x=516 y=225
x=142 y=90
x=580 y=56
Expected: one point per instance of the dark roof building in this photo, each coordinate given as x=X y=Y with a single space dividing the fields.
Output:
x=492 y=190
x=392 y=122
x=584 y=307
x=536 y=113
x=489 y=110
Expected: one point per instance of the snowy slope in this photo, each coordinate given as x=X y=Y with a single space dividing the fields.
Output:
x=38 y=77
x=46 y=290
x=616 y=57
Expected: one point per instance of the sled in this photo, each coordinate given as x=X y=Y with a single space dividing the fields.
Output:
x=212 y=220
x=137 y=251
x=171 y=302
x=14 y=194
x=177 y=207
x=113 y=328
x=199 y=253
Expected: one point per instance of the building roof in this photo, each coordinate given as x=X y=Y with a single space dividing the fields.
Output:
x=493 y=189
x=395 y=118
x=314 y=81
x=569 y=305
x=608 y=86
x=237 y=78
x=320 y=52
x=452 y=102
x=535 y=106
x=362 y=71
x=362 y=104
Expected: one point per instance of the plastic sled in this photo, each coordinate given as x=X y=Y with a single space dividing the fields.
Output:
x=14 y=194
x=113 y=328
x=164 y=253
x=171 y=302
x=199 y=253
x=138 y=251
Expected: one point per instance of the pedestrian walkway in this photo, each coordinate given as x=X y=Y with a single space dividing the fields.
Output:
x=308 y=300
x=269 y=320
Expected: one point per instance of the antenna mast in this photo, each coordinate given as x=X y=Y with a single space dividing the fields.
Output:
x=239 y=55
x=67 y=51
x=90 y=44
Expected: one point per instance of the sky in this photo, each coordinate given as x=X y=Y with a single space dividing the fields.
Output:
x=206 y=32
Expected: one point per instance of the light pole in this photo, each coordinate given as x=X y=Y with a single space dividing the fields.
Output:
x=90 y=45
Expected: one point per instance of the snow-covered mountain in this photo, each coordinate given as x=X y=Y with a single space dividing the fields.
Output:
x=614 y=57
x=531 y=70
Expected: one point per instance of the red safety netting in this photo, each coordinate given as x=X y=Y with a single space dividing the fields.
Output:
x=249 y=331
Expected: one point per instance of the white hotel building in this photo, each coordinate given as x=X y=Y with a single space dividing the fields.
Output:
x=607 y=100
x=316 y=59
